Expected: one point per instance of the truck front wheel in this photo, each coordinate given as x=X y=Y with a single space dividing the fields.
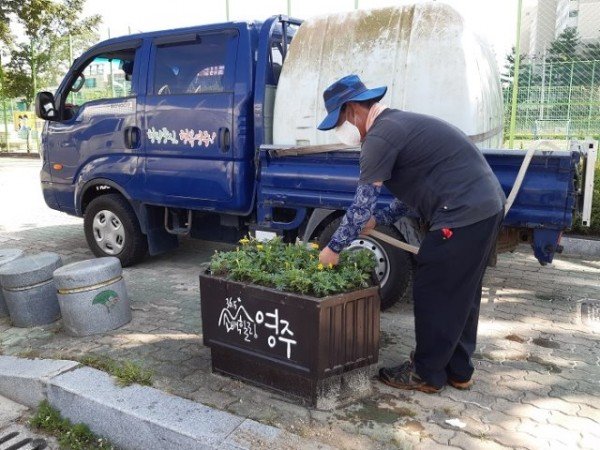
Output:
x=393 y=268
x=112 y=229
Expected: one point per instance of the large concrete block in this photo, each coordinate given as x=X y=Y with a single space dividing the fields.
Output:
x=581 y=247
x=138 y=417
x=7 y=255
x=29 y=270
x=82 y=274
x=29 y=291
x=33 y=307
x=92 y=296
x=25 y=380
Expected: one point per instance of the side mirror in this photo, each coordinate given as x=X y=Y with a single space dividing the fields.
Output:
x=44 y=106
x=78 y=83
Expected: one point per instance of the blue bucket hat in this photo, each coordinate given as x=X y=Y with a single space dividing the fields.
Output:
x=347 y=89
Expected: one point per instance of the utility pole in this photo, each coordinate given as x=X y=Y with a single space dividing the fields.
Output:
x=227 y=9
x=515 y=84
x=289 y=4
x=355 y=4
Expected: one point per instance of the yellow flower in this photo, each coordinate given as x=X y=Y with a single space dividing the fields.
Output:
x=314 y=245
x=244 y=241
x=320 y=266
x=259 y=247
x=330 y=266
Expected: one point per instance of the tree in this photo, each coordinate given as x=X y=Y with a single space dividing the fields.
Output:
x=7 y=7
x=591 y=52
x=564 y=47
x=43 y=55
x=524 y=68
x=562 y=52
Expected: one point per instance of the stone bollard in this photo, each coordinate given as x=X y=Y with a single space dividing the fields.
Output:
x=7 y=255
x=29 y=290
x=92 y=296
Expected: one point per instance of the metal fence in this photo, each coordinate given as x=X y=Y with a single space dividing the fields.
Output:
x=552 y=79
x=557 y=100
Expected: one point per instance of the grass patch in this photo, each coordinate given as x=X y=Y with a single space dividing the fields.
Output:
x=70 y=436
x=30 y=353
x=126 y=372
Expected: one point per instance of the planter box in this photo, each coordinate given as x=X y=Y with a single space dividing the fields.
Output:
x=318 y=351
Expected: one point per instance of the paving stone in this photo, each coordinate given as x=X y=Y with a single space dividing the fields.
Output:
x=590 y=412
x=588 y=442
x=577 y=425
x=466 y=441
x=516 y=439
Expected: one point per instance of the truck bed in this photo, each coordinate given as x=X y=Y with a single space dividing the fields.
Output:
x=545 y=203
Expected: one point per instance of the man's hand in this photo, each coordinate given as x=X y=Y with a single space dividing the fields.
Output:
x=328 y=256
x=369 y=226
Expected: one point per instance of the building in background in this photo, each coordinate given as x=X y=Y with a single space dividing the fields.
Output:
x=544 y=20
x=587 y=16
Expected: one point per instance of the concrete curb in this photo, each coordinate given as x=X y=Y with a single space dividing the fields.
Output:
x=580 y=246
x=135 y=416
x=25 y=381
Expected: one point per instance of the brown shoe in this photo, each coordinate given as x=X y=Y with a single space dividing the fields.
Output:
x=404 y=377
x=461 y=385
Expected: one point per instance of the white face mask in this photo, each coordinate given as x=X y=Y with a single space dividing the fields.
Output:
x=348 y=134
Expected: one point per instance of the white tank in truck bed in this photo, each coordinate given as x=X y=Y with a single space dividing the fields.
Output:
x=430 y=60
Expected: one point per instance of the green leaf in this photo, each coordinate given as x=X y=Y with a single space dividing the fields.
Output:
x=105 y=297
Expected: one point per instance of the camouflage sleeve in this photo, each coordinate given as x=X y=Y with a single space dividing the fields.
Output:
x=392 y=213
x=356 y=217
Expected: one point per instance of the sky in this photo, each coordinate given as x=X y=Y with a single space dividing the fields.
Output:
x=495 y=20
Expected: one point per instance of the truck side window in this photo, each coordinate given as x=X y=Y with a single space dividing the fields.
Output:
x=106 y=76
x=195 y=67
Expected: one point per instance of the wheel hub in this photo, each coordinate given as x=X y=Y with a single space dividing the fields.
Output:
x=382 y=269
x=109 y=232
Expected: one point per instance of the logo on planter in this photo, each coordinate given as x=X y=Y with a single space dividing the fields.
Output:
x=106 y=298
x=235 y=317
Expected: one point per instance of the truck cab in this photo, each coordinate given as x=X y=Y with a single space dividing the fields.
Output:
x=163 y=127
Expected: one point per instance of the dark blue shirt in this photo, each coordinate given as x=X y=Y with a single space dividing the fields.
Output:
x=432 y=167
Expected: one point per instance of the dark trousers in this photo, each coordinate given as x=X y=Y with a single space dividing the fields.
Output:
x=447 y=295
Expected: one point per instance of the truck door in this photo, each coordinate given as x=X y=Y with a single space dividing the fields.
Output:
x=97 y=106
x=189 y=120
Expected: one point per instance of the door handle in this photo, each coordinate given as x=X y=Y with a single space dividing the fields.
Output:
x=224 y=139
x=132 y=137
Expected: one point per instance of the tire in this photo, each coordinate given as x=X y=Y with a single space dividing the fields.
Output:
x=112 y=229
x=394 y=271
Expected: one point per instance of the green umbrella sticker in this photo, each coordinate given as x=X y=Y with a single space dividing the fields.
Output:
x=107 y=298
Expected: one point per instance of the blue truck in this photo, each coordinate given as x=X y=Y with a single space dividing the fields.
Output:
x=162 y=134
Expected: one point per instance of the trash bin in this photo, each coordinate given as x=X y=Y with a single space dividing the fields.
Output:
x=29 y=290
x=7 y=255
x=92 y=296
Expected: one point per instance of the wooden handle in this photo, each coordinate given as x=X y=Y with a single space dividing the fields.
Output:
x=393 y=241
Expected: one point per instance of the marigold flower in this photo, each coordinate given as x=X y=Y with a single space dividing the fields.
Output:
x=330 y=266
x=320 y=266
x=244 y=241
x=314 y=246
x=259 y=247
